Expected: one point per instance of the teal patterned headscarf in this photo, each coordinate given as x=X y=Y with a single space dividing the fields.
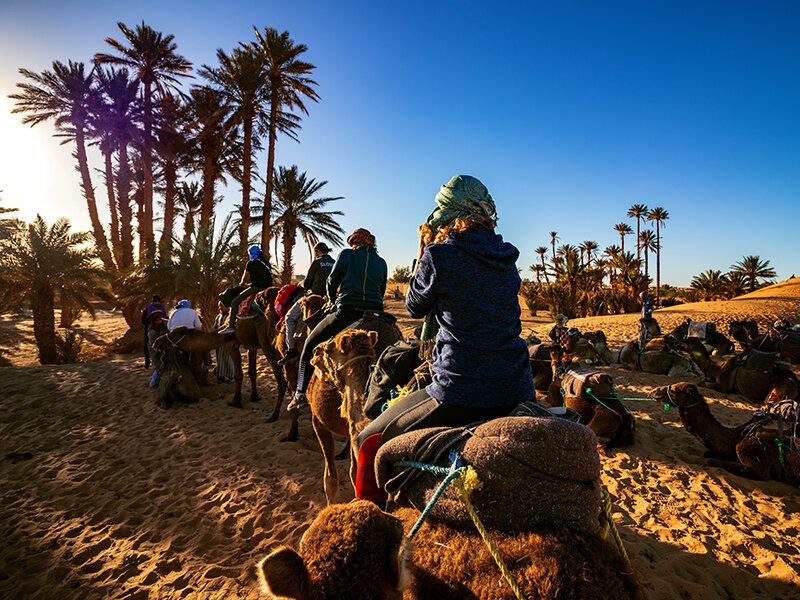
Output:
x=463 y=197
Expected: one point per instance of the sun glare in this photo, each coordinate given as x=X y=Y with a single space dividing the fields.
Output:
x=28 y=176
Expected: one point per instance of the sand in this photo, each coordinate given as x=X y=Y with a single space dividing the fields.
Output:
x=105 y=495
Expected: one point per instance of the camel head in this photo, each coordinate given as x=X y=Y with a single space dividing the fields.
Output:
x=351 y=550
x=312 y=307
x=681 y=395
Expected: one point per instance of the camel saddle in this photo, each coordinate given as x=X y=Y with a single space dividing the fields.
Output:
x=536 y=473
x=757 y=360
x=576 y=382
x=246 y=306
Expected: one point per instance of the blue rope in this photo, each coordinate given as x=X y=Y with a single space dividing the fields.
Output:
x=452 y=473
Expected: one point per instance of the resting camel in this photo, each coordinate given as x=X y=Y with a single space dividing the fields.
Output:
x=753 y=375
x=787 y=343
x=756 y=456
x=716 y=343
x=357 y=551
x=596 y=403
x=665 y=362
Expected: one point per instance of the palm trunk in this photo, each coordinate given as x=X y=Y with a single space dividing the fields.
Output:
x=66 y=310
x=141 y=226
x=622 y=239
x=170 y=178
x=288 y=251
x=638 y=248
x=44 y=320
x=116 y=246
x=91 y=203
x=646 y=266
x=544 y=270
x=207 y=208
x=244 y=227
x=658 y=265
x=147 y=166
x=208 y=310
x=124 y=202
x=266 y=226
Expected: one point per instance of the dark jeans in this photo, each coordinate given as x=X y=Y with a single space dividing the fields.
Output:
x=327 y=328
x=146 y=348
x=418 y=410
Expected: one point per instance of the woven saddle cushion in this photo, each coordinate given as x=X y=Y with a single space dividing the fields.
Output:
x=536 y=473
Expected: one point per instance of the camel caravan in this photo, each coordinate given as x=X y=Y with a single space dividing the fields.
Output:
x=474 y=453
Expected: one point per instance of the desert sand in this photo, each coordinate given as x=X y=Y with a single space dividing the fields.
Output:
x=105 y=495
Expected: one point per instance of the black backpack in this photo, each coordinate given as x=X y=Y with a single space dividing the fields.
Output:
x=395 y=367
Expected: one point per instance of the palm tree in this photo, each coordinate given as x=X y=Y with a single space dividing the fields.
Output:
x=736 y=284
x=588 y=247
x=207 y=263
x=114 y=123
x=553 y=239
x=659 y=215
x=288 y=83
x=151 y=55
x=173 y=149
x=40 y=262
x=241 y=79
x=215 y=134
x=623 y=229
x=711 y=284
x=7 y=226
x=753 y=269
x=297 y=211
x=541 y=251
x=65 y=95
x=188 y=201
x=638 y=212
x=611 y=253
x=647 y=240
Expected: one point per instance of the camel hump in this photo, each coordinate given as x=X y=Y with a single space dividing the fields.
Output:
x=577 y=382
x=536 y=473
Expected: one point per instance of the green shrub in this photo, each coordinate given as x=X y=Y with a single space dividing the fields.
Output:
x=68 y=346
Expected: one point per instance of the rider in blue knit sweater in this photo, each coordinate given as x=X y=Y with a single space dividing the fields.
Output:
x=466 y=285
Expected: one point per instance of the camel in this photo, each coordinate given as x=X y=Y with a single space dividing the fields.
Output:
x=336 y=397
x=745 y=450
x=665 y=362
x=753 y=375
x=355 y=550
x=716 y=343
x=178 y=377
x=595 y=401
x=786 y=342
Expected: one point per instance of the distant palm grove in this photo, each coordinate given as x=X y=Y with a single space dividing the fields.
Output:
x=166 y=146
x=168 y=137
x=577 y=282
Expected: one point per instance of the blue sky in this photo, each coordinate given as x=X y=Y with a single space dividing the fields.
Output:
x=569 y=112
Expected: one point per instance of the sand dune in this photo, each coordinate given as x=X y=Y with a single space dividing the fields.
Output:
x=105 y=495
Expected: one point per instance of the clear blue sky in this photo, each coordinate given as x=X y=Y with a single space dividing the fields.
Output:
x=569 y=112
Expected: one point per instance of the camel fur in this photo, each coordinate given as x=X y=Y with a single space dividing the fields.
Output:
x=755 y=384
x=755 y=456
x=357 y=551
x=773 y=340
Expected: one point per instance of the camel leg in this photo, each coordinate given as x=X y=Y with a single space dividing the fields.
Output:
x=325 y=439
x=252 y=355
x=292 y=435
x=236 y=356
x=353 y=463
x=273 y=357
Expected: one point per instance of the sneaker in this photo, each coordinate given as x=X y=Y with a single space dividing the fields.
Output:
x=155 y=379
x=291 y=356
x=298 y=402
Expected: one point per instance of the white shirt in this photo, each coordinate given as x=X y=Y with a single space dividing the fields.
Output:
x=184 y=316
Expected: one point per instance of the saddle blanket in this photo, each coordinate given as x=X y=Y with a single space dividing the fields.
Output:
x=698 y=329
x=246 y=306
x=576 y=381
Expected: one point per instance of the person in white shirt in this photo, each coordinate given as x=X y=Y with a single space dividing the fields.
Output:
x=183 y=315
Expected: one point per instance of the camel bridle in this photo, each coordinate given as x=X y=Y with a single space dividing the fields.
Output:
x=332 y=371
x=174 y=344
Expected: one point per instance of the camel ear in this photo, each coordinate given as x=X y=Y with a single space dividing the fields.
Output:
x=344 y=343
x=284 y=575
x=373 y=338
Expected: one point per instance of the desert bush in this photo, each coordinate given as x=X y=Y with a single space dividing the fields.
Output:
x=401 y=275
x=68 y=346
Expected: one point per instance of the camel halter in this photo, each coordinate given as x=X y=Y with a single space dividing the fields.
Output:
x=332 y=371
x=174 y=344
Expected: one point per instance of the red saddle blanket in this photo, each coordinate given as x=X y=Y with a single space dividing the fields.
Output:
x=246 y=306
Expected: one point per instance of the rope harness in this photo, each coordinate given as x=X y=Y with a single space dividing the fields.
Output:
x=465 y=481
x=331 y=375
